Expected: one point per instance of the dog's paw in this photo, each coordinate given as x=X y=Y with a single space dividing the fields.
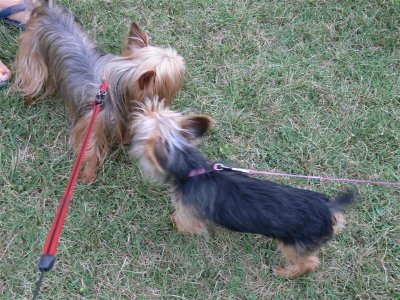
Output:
x=278 y=270
x=172 y=218
x=286 y=271
x=28 y=101
x=88 y=177
x=188 y=225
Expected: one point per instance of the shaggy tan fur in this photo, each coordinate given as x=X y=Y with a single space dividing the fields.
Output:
x=56 y=55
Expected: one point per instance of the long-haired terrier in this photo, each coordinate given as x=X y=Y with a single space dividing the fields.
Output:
x=205 y=195
x=56 y=55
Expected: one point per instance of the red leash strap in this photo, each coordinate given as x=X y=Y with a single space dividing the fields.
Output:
x=47 y=259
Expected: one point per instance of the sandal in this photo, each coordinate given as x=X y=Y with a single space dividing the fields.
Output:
x=4 y=16
x=9 y=11
x=3 y=84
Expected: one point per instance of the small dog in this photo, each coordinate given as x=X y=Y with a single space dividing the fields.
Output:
x=56 y=55
x=301 y=220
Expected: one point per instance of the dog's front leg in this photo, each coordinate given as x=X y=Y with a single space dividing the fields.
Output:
x=28 y=101
x=185 y=220
x=90 y=170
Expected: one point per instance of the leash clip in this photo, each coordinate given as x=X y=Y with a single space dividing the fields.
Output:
x=99 y=100
x=101 y=95
x=219 y=167
x=222 y=167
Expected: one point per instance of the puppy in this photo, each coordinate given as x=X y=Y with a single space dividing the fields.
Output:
x=56 y=55
x=208 y=194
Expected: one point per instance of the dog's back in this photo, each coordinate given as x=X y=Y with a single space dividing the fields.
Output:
x=56 y=53
x=247 y=204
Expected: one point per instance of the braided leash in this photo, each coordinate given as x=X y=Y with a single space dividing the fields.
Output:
x=221 y=167
x=48 y=259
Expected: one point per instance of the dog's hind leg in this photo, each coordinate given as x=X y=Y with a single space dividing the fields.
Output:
x=31 y=70
x=339 y=222
x=301 y=263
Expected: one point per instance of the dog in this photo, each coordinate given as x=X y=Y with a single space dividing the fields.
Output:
x=206 y=194
x=56 y=55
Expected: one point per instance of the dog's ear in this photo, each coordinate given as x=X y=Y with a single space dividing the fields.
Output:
x=196 y=125
x=157 y=153
x=147 y=80
x=137 y=38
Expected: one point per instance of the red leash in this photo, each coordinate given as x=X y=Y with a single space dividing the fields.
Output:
x=47 y=260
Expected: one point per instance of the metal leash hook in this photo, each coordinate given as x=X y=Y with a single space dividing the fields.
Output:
x=221 y=167
x=48 y=258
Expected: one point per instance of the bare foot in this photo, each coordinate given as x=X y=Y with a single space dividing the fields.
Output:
x=4 y=72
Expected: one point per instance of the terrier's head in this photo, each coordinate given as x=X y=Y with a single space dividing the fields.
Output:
x=145 y=70
x=163 y=138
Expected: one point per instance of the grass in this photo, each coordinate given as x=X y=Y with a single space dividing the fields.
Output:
x=310 y=87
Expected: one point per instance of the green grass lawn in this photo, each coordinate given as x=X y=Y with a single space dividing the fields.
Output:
x=310 y=87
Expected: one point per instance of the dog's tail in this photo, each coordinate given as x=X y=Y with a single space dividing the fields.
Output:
x=337 y=206
x=342 y=201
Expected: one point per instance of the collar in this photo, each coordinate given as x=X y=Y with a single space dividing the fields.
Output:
x=201 y=171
